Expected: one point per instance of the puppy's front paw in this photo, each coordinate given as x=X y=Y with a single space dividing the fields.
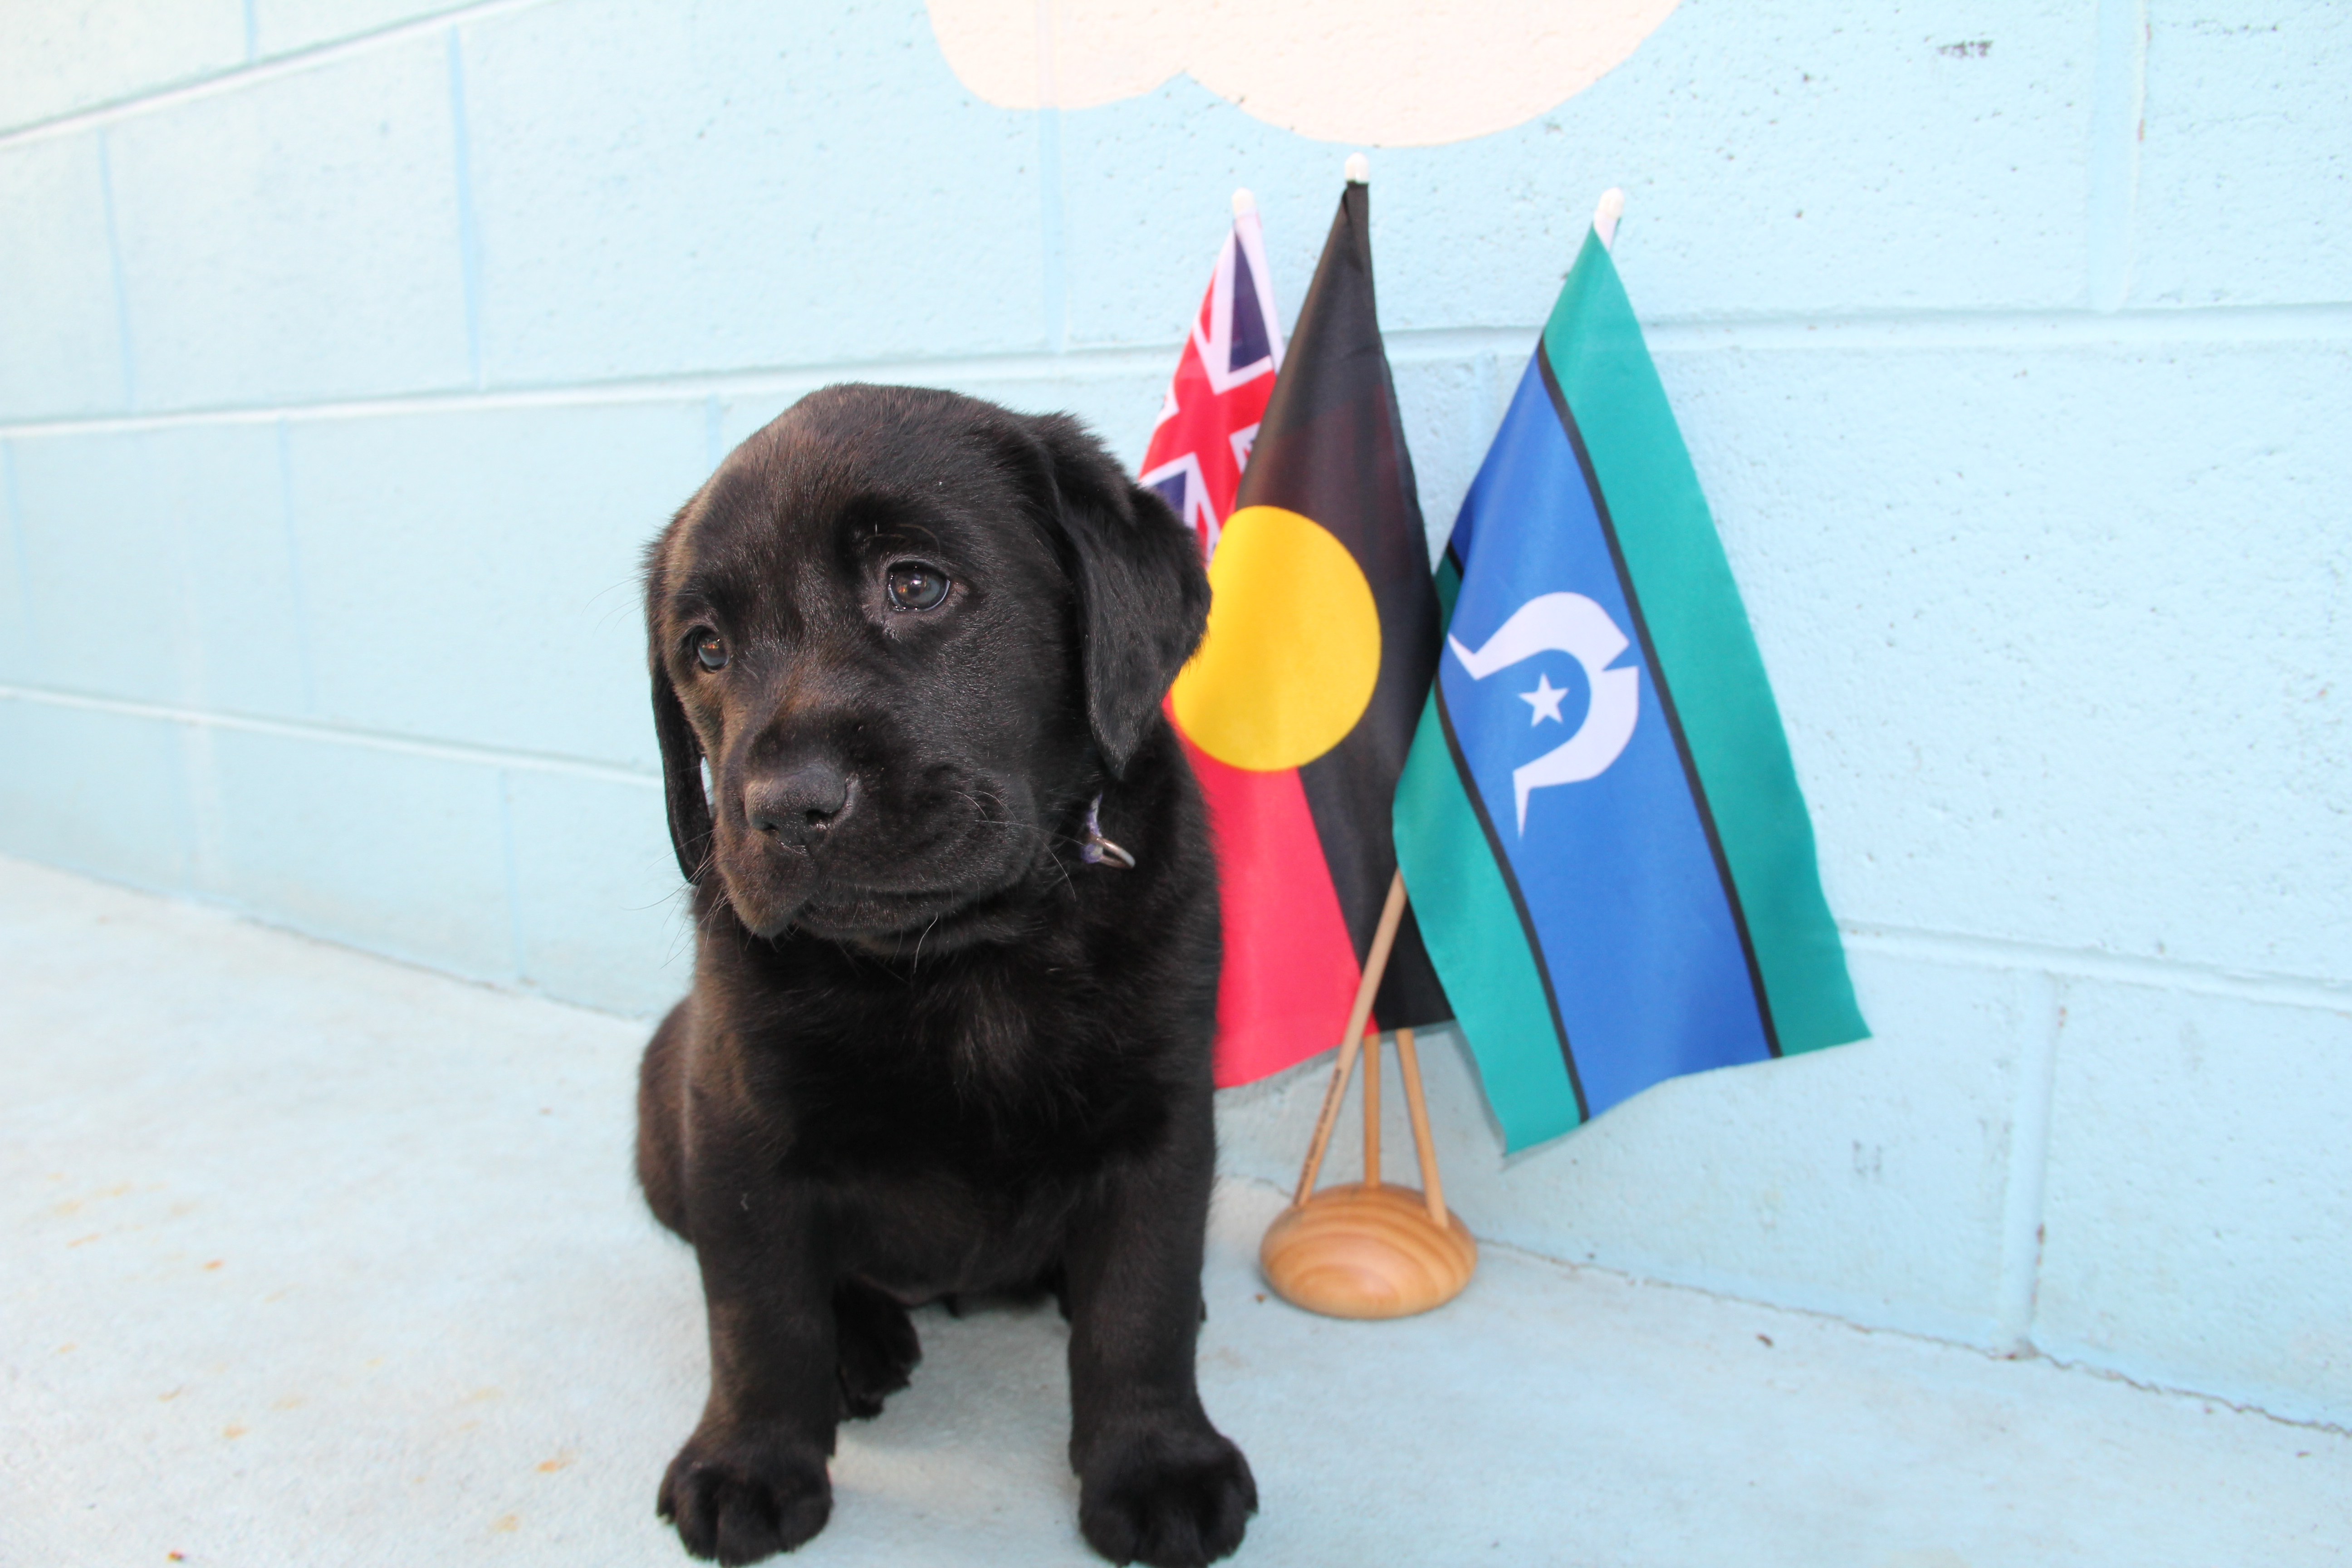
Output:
x=739 y=1498
x=1174 y=1497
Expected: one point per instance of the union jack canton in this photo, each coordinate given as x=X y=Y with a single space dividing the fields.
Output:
x=1223 y=380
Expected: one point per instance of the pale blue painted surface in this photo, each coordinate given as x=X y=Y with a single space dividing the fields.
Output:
x=16 y=594
x=67 y=54
x=104 y=793
x=283 y=27
x=2246 y=182
x=672 y=189
x=298 y=239
x=2201 y=1194
x=176 y=530
x=93 y=535
x=2089 y=607
x=347 y=358
x=509 y=540
x=415 y=841
x=56 y=298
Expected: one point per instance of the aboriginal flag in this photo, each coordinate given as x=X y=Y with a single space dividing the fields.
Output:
x=1298 y=710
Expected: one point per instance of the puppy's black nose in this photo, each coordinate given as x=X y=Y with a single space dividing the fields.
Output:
x=798 y=805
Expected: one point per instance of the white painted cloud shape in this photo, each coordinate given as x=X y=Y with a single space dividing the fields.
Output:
x=1390 y=73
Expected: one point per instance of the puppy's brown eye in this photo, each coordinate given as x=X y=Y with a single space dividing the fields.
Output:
x=710 y=649
x=915 y=586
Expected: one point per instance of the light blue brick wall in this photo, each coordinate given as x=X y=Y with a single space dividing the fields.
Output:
x=295 y=240
x=676 y=189
x=61 y=312
x=67 y=54
x=351 y=349
x=472 y=576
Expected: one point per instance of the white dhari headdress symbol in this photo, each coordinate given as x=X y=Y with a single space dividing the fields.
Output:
x=1574 y=624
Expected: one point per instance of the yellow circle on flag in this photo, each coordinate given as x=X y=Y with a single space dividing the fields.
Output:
x=1293 y=648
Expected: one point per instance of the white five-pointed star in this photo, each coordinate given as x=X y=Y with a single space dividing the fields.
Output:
x=1545 y=700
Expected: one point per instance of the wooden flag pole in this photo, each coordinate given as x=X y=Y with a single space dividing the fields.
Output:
x=1433 y=1191
x=1352 y=1038
x=1371 y=1249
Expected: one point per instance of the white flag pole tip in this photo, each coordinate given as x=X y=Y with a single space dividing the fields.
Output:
x=1244 y=204
x=1359 y=169
x=1605 y=215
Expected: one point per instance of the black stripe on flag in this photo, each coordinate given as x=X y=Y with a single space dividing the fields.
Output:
x=1518 y=900
x=1666 y=701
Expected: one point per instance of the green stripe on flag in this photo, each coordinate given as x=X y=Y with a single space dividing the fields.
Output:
x=1471 y=925
x=1698 y=630
x=1449 y=585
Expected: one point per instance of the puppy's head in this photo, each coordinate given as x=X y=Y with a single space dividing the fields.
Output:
x=908 y=630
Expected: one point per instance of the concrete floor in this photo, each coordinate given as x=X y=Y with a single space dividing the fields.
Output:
x=312 y=1259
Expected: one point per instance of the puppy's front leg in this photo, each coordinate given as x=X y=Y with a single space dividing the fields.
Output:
x=751 y=1480
x=1157 y=1482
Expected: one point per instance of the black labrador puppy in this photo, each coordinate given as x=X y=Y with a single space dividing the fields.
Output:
x=943 y=1036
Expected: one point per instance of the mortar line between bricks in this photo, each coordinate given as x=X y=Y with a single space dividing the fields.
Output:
x=2025 y=1200
x=2015 y=331
x=338 y=735
x=126 y=361
x=245 y=74
x=12 y=510
x=2119 y=90
x=290 y=531
x=512 y=867
x=469 y=229
x=2324 y=992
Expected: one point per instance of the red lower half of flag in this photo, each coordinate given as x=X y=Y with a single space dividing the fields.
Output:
x=1290 y=970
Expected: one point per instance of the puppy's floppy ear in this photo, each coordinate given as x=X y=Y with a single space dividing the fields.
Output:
x=1143 y=598
x=681 y=749
x=689 y=806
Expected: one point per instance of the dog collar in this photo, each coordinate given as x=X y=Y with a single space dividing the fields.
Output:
x=1099 y=850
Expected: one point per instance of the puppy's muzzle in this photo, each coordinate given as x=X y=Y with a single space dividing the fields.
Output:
x=799 y=807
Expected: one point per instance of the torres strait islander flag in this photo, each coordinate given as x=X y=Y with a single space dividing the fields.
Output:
x=1299 y=710
x=1600 y=823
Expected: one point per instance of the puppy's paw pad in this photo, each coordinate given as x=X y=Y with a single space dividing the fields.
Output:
x=1171 y=1499
x=739 y=1501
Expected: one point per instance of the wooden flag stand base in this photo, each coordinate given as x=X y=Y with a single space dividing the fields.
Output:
x=1371 y=1249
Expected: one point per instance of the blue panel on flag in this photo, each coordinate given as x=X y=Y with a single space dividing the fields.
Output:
x=1557 y=714
x=1251 y=341
x=1171 y=489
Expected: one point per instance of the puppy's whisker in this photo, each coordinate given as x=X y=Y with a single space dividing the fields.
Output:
x=681 y=931
x=623 y=608
x=1047 y=836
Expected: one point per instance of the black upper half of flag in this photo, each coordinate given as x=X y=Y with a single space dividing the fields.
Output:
x=1332 y=447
